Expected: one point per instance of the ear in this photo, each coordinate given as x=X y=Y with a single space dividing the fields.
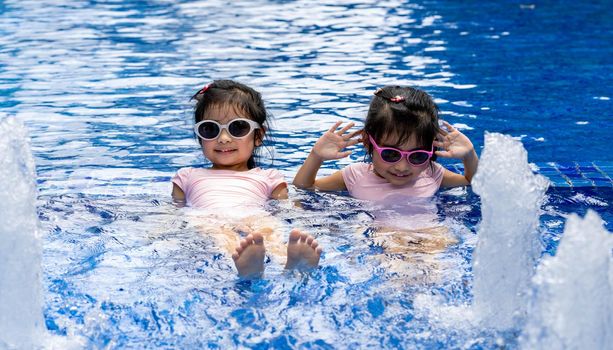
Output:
x=259 y=136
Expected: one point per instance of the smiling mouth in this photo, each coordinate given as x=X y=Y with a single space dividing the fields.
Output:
x=401 y=175
x=224 y=150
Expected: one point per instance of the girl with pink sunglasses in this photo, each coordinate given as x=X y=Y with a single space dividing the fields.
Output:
x=400 y=134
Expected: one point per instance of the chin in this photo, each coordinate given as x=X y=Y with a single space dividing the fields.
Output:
x=400 y=181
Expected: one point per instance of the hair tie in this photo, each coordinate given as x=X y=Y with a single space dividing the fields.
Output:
x=203 y=90
x=394 y=99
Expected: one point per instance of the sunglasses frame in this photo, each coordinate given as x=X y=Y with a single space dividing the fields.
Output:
x=253 y=125
x=380 y=150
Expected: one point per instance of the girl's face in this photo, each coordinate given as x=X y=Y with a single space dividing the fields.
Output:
x=402 y=172
x=227 y=152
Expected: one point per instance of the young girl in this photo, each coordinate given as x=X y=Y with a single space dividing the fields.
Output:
x=230 y=122
x=400 y=134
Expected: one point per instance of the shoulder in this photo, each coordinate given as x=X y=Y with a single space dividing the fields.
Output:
x=437 y=169
x=434 y=175
x=185 y=171
x=184 y=177
x=357 y=169
x=354 y=172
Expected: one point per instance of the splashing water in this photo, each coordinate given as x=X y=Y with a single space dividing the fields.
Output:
x=20 y=245
x=572 y=307
x=508 y=243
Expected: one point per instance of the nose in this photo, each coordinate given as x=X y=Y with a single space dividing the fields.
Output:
x=403 y=164
x=224 y=136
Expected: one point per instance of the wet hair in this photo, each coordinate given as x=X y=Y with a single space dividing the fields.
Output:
x=231 y=94
x=402 y=111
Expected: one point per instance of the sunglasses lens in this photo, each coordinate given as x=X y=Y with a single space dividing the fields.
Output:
x=419 y=158
x=208 y=130
x=390 y=156
x=239 y=128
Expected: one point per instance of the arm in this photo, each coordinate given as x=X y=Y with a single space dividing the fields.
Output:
x=457 y=145
x=329 y=146
x=178 y=196
x=280 y=192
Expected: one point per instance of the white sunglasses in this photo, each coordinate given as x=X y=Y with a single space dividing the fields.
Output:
x=237 y=128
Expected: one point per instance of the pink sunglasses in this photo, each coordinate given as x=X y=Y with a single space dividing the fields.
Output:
x=393 y=155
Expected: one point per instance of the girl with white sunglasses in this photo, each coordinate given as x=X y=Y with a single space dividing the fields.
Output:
x=230 y=123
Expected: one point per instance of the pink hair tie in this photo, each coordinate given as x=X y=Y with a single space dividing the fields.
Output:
x=397 y=99
x=203 y=90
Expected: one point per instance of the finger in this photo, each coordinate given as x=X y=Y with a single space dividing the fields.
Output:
x=352 y=142
x=345 y=128
x=443 y=130
x=444 y=154
x=438 y=144
x=333 y=128
x=449 y=126
x=340 y=155
x=355 y=133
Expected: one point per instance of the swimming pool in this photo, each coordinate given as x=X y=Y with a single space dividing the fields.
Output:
x=104 y=88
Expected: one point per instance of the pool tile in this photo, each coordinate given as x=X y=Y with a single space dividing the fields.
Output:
x=582 y=183
x=603 y=183
x=558 y=181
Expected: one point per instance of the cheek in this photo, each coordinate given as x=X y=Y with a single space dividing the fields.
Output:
x=379 y=164
x=205 y=145
x=421 y=168
x=247 y=144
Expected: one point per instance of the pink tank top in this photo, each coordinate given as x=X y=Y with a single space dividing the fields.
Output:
x=227 y=189
x=363 y=183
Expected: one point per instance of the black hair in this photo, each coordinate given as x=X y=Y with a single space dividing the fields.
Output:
x=233 y=94
x=402 y=111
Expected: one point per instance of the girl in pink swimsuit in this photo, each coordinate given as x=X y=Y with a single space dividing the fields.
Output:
x=230 y=122
x=400 y=134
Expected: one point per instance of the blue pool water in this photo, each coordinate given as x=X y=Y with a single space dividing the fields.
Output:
x=103 y=88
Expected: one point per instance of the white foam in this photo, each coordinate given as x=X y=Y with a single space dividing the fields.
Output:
x=572 y=304
x=21 y=319
x=508 y=244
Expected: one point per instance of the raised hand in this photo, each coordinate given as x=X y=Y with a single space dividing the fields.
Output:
x=454 y=144
x=332 y=143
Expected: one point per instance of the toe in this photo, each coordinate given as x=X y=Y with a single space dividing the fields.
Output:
x=303 y=237
x=294 y=236
x=258 y=238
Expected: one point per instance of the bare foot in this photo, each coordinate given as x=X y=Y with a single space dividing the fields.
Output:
x=249 y=256
x=302 y=251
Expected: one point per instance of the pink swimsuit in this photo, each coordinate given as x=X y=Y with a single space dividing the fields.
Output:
x=227 y=189
x=363 y=183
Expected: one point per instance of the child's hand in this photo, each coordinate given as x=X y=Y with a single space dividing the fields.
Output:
x=331 y=144
x=453 y=142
